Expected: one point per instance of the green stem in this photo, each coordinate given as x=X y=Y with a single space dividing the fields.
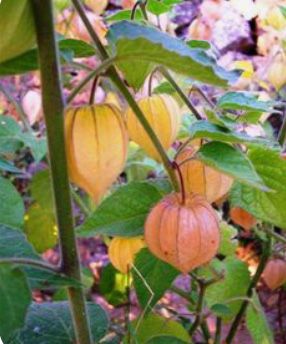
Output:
x=199 y=316
x=32 y=262
x=80 y=202
x=18 y=108
x=203 y=95
x=112 y=73
x=282 y=132
x=95 y=73
x=239 y=316
x=275 y=235
x=180 y=92
x=53 y=107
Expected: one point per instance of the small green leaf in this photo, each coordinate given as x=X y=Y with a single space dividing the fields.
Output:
x=38 y=146
x=9 y=135
x=14 y=300
x=12 y=207
x=51 y=323
x=257 y=324
x=220 y=310
x=148 y=271
x=228 y=244
x=157 y=7
x=232 y=288
x=154 y=325
x=270 y=206
x=206 y=129
x=40 y=224
x=139 y=48
x=243 y=101
x=231 y=161
x=124 y=212
x=124 y=15
x=194 y=43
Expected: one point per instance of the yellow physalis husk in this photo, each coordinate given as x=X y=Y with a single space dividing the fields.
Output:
x=163 y=114
x=276 y=19
x=96 y=144
x=276 y=73
x=122 y=252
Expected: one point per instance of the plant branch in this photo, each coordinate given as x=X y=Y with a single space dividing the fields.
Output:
x=263 y=261
x=218 y=331
x=53 y=106
x=18 y=108
x=180 y=92
x=275 y=235
x=95 y=73
x=199 y=316
x=282 y=132
x=114 y=76
x=203 y=95
x=78 y=200
x=32 y=262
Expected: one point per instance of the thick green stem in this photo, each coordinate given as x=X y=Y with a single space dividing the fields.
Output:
x=31 y=262
x=180 y=92
x=53 y=107
x=239 y=316
x=112 y=73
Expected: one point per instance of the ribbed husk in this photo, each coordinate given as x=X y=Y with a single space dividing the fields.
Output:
x=274 y=274
x=122 y=252
x=96 y=144
x=242 y=218
x=202 y=179
x=185 y=236
x=163 y=114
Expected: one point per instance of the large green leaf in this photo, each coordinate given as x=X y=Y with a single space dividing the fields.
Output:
x=138 y=48
x=41 y=190
x=228 y=243
x=232 y=287
x=12 y=207
x=51 y=323
x=15 y=297
x=257 y=324
x=206 y=129
x=154 y=273
x=124 y=212
x=231 y=161
x=267 y=206
x=243 y=101
x=9 y=135
x=13 y=244
x=153 y=325
x=29 y=61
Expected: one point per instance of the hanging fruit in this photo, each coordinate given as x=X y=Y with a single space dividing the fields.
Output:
x=122 y=252
x=17 y=28
x=276 y=73
x=97 y=142
x=183 y=234
x=200 y=178
x=274 y=274
x=242 y=218
x=163 y=114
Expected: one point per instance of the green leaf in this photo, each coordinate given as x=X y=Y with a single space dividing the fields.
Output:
x=153 y=325
x=206 y=129
x=125 y=15
x=38 y=146
x=9 y=135
x=112 y=285
x=12 y=207
x=234 y=285
x=166 y=340
x=148 y=271
x=220 y=310
x=228 y=244
x=140 y=48
x=7 y=166
x=269 y=207
x=14 y=301
x=157 y=7
x=39 y=224
x=243 y=101
x=195 y=43
x=28 y=61
x=13 y=244
x=257 y=324
x=231 y=161
x=124 y=212
x=51 y=323
x=41 y=190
